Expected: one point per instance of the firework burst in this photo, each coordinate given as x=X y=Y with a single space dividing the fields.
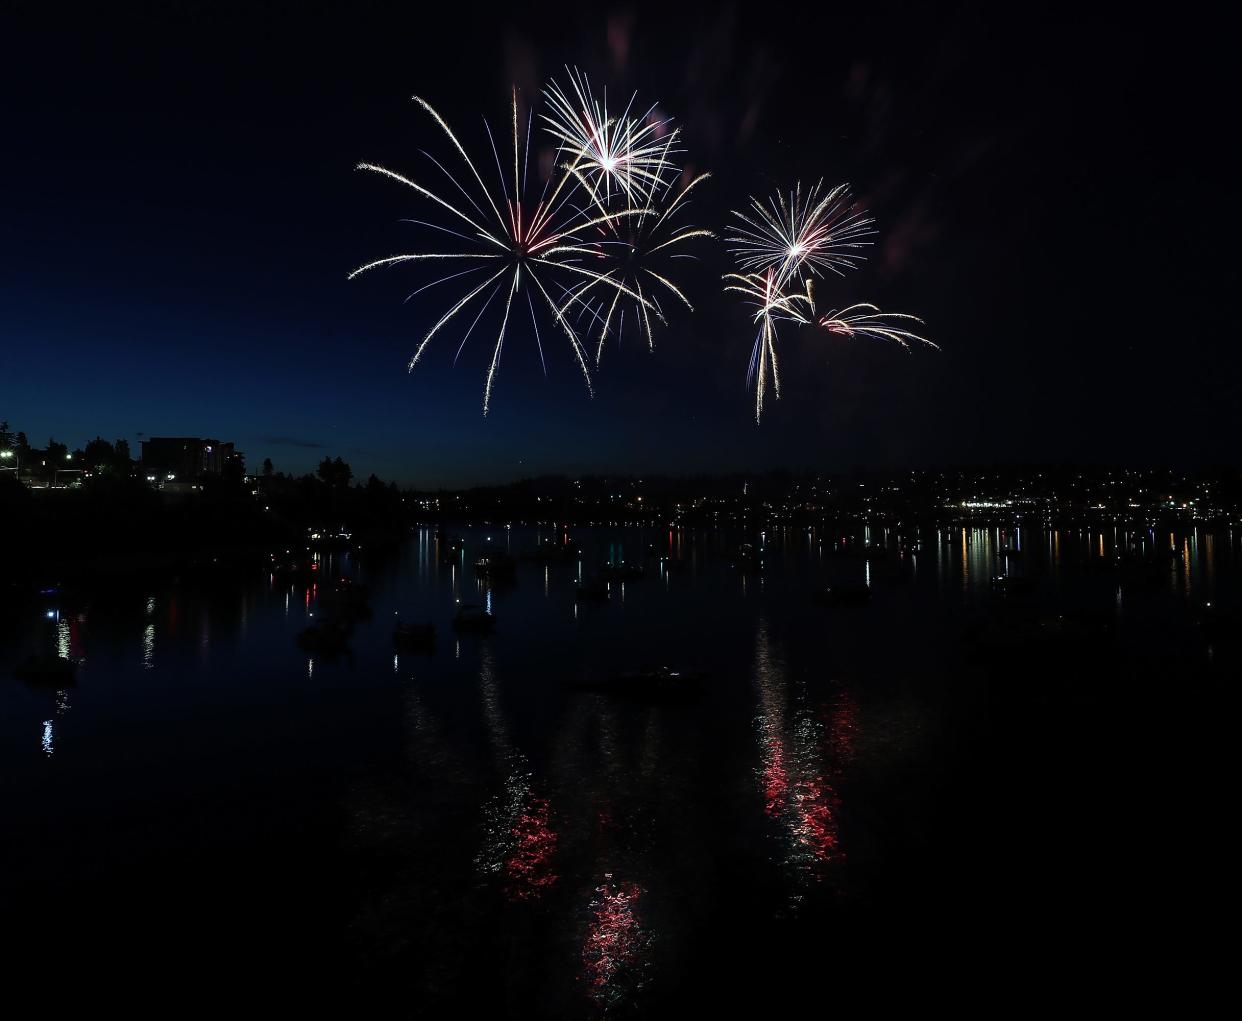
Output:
x=815 y=230
x=864 y=320
x=780 y=248
x=515 y=245
x=629 y=155
x=640 y=250
x=762 y=291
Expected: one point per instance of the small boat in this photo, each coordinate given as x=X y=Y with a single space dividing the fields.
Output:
x=1009 y=552
x=495 y=565
x=346 y=593
x=1076 y=627
x=621 y=571
x=675 y=565
x=329 y=539
x=46 y=669
x=747 y=558
x=471 y=619
x=650 y=682
x=1012 y=585
x=346 y=600
x=860 y=551
x=451 y=550
x=554 y=551
x=326 y=636
x=594 y=591
x=292 y=568
x=844 y=595
x=414 y=636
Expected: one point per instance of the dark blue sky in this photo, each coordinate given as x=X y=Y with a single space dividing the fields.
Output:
x=180 y=212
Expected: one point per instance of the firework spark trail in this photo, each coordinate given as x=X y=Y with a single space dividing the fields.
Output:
x=628 y=154
x=772 y=306
x=552 y=234
x=866 y=320
x=818 y=232
x=633 y=245
x=774 y=244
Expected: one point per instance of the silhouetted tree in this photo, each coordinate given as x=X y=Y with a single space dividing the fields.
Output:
x=99 y=455
x=268 y=468
x=123 y=457
x=335 y=472
x=56 y=453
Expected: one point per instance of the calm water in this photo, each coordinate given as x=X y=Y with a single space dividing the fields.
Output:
x=209 y=807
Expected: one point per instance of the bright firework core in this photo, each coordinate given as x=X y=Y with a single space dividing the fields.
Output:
x=533 y=251
x=616 y=172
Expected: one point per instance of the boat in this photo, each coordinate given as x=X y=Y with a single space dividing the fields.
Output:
x=649 y=682
x=621 y=571
x=328 y=637
x=46 y=669
x=290 y=568
x=346 y=600
x=844 y=595
x=1076 y=627
x=472 y=619
x=747 y=558
x=859 y=551
x=328 y=539
x=414 y=636
x=554 y=551
x=593 y=591
x=1012 y=585
x=451 y=550
x=495 y=565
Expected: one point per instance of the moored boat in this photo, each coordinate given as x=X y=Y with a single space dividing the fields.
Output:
x=46 y=669
x=472 y=619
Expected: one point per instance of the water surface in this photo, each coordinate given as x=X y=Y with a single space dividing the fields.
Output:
x=470 y=828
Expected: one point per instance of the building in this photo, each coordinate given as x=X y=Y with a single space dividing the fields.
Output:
x=183 y=458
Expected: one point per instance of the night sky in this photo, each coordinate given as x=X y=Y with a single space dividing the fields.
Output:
x=1054 y=198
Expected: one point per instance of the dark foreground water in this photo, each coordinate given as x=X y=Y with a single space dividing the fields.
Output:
x=863 y=802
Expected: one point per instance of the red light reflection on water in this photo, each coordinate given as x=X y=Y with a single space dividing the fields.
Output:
x=800 y=757
x=775 y=779
x=615 y=938
x=841 y=720
x=814 y=819
x=528 y=866
x=521 y=844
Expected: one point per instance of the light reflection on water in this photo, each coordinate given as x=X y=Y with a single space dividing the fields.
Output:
x=519 y=844
x=502 y=785
x=801 y=754
x=615 y=952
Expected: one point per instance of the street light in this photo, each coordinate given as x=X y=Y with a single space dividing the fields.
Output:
x=11 y=455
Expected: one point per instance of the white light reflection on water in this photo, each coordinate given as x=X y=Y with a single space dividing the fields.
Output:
x=47 y=738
